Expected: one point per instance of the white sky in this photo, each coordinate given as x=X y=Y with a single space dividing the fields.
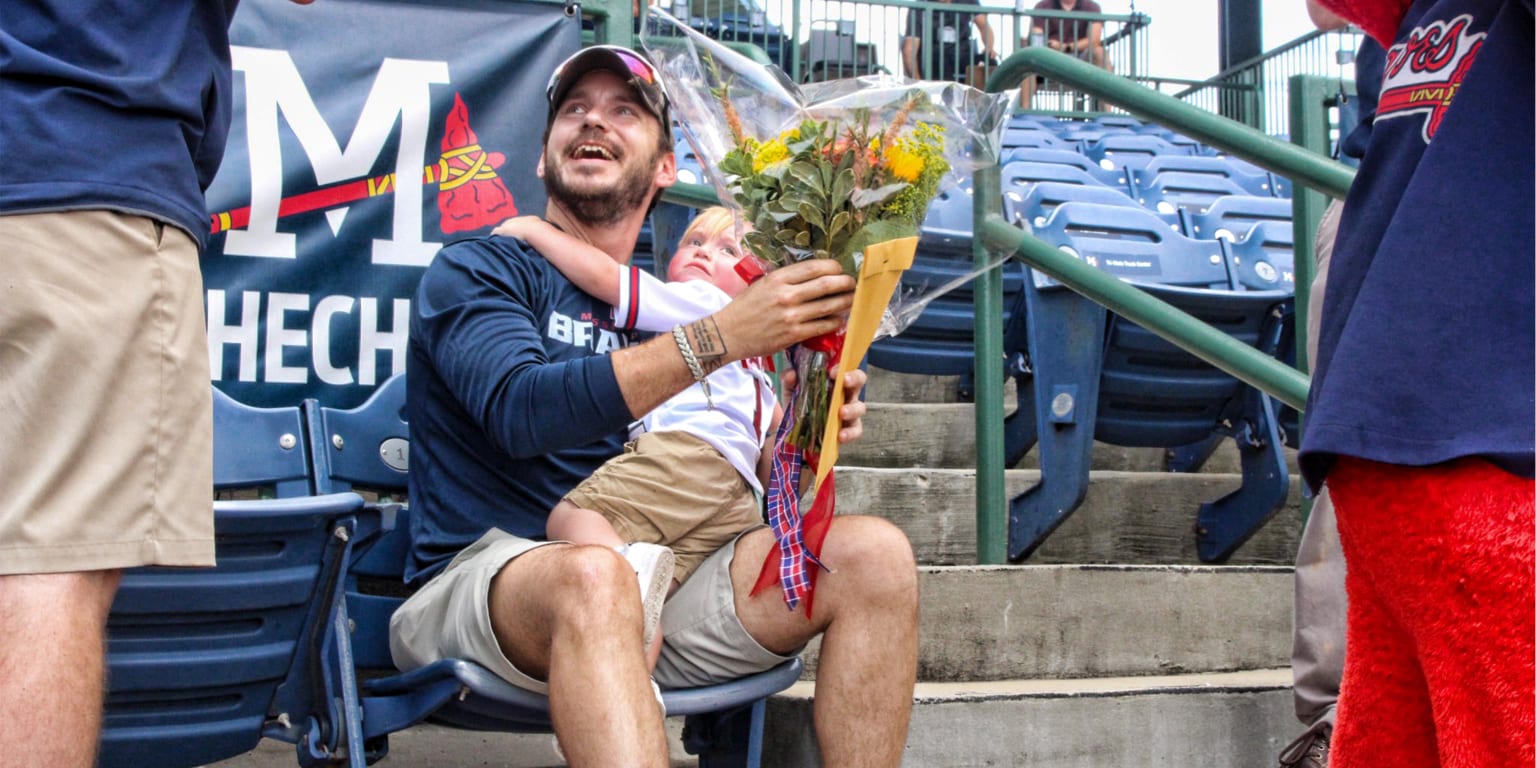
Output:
x=1183 y=32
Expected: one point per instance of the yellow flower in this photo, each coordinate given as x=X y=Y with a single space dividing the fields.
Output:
x=903 y=164
x=768 y=154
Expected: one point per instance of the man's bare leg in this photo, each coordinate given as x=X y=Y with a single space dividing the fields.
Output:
x=53 y=666
x=867 y=608
x=568 y=614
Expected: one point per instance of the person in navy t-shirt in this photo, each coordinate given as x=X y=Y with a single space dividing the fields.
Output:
x=1421 y=411
x=113 y=120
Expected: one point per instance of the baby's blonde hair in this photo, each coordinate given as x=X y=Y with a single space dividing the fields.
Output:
x=711 y=222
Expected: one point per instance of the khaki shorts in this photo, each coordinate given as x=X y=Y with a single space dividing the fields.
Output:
x=450 y=617
x=106 y=416
x=675 y=489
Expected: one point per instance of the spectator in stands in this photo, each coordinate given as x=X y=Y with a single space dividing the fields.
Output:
x=943 y=49
x=1318 y=642
x=109 y=135
x=520 y=387
x=1421 y=410
x=1083 y=39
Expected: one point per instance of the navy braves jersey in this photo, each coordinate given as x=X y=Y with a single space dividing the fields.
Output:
x=512 y=398
x=1425 y=353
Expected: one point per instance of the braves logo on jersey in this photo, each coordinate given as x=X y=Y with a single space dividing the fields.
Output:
x=1424 y=71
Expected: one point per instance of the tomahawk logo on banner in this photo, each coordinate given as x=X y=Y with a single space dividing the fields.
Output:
x=366 y=135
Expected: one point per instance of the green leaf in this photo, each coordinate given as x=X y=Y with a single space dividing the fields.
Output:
x=840 y=221
x=812 y=214
x=864 y=198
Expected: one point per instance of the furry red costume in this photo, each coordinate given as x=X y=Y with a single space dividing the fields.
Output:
x=1439 y=667
x=1379 y=18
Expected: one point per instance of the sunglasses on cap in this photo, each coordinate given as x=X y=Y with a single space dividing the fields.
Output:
x=636 y=71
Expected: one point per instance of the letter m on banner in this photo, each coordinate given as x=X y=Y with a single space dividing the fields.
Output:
x=366 y=134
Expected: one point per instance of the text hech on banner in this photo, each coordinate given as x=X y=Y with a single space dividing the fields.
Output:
x=338 y=339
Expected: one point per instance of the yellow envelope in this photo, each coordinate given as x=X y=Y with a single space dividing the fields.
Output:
x=878 y=278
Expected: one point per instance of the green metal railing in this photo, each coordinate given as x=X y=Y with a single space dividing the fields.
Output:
x=1305 y=168
x=1311 y=100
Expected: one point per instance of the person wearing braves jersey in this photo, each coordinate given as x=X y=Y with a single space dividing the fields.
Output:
x=520 y=386
x=688 y=481
x=1421 y=411
x=113 y=120
x=1320 y=606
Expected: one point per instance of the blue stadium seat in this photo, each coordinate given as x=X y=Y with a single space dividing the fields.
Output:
x=1033 y=204
x=1171 y=192
x=1021 y=120
x=1125 y=122
x=723 y=723
x=1124 y=151
x=1086 y=374
x=941 y=340
x=1019 y=175
x=1265 y=258
x=1015 y=136
x=1253 y=181
x=1134 y=245
x=202 y=661
x=1230 y=217
x=1067 y=157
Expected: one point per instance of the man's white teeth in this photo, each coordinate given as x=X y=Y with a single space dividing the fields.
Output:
x=587 y=151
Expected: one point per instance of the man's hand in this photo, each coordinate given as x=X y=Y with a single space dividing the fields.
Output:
x=788 y=305
x=851 y=415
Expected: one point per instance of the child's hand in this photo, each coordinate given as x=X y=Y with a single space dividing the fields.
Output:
x=520 y=227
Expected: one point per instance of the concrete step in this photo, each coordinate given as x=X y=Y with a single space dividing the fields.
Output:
x=1079 y=621
x=1227 y=719
x=892 y=387
x=1127 y=517
x=434 y=746
x=1214 y=719
x=944 y=435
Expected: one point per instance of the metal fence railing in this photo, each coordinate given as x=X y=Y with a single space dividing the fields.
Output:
x=824 y=39
x=1256 y=92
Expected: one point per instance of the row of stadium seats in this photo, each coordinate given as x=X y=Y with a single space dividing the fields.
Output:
x=1086 y=374
x=1117 y=141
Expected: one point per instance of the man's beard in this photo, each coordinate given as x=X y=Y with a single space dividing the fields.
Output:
x=607 y=205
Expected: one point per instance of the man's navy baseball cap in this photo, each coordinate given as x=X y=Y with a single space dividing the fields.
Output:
x=625 y=63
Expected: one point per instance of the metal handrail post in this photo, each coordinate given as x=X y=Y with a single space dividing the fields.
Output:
x=1310 y=97
x=991 y=497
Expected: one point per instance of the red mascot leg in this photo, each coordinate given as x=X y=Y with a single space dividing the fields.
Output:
x=1440 y=585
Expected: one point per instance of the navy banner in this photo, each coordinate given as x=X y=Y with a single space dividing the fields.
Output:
x=366 y=135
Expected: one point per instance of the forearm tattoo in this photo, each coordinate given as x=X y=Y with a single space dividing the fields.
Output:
x=708 y=344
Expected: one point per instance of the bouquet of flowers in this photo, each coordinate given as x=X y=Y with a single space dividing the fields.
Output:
x=840 y=170
x=828 y=189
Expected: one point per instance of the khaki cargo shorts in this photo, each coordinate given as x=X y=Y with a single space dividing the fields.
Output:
x=106 y=416
x=450 y=617
x=672 y=488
